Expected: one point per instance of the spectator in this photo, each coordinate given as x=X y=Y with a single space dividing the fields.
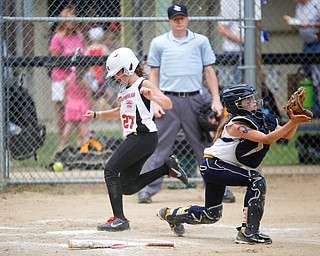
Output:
x=307 y=22
x=77 y=101
x=232 y=33
x=177 y=60
x=7 y=72
x=91 y=12
x=64 y=42
x=97 y=48
x=111 y=40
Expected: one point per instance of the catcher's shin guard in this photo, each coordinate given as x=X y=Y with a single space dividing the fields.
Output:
x=253 y=213
x=194 y=214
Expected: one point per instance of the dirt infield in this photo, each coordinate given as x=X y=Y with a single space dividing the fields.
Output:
x=40 y=221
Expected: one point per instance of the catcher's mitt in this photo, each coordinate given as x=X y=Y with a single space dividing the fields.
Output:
x=296 y=101
x=205 y=116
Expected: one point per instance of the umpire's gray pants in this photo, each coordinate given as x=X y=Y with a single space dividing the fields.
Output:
x=183 y=116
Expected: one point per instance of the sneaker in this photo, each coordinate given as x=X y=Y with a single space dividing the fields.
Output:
x=176 y=170
x=178 y=229
x=144 y=198
x=263 y=236
x=228 y=197
x=254 y=239
x=114 y=224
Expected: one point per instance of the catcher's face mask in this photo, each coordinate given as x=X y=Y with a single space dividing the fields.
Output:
x=250 y=104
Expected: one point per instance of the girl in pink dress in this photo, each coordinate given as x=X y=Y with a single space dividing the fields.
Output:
x=64 y=42
x=77 y=101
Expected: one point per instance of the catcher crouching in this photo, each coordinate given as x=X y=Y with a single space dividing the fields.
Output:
x=241 y=143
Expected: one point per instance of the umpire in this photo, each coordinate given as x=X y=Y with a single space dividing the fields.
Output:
x=177 y=61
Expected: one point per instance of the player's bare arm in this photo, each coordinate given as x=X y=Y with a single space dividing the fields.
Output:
x=243 y=131
x=111 y=114
x=212 y=84
x=154 y=78
x=151 y=92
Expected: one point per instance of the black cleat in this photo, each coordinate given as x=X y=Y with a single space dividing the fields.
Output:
x=176 y=170
x=253 y=239
x=114 y=224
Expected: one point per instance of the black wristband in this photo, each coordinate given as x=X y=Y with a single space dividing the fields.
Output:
x=94 y=114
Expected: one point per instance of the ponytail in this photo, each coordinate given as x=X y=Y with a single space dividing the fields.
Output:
x=219 y=131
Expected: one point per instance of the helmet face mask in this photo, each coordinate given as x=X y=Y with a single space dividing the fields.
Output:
x=120 y=59
x=233 y=97
x=115 y=84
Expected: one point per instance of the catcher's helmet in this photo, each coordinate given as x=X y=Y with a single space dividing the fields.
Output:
x=233 y=95
x=122 y=58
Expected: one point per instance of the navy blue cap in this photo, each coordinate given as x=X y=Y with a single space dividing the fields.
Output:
x=177 y=9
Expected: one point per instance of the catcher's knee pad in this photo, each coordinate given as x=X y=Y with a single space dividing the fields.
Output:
x=212 y=214
x=195 y=215
x=253 y=213
x=258 y=183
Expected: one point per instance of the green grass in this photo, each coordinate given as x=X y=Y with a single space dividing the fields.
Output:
x=284 y=154
x=278 y=154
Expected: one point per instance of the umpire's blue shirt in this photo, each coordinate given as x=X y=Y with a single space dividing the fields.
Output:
x=181 y=61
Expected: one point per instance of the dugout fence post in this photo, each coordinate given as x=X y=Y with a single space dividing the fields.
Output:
x=249 y=42
x=3 y=165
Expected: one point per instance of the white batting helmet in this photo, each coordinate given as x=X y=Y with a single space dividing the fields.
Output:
x=122 y=58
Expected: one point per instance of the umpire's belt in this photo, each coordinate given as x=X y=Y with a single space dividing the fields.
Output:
x=182 y=94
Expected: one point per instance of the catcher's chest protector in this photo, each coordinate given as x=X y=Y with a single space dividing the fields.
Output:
x=250 y=153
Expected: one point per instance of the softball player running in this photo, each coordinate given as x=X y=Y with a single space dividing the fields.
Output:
x=135 y=96
x=242 y=142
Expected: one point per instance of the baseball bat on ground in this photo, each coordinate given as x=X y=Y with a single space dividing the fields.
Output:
x=98 y=244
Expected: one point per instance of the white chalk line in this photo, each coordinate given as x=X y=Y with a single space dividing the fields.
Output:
x=11 y=228
x=91 y=231
x=28 y=244
x=269 y=229
x=73 y=232
x=65 y=220
x=273 y=231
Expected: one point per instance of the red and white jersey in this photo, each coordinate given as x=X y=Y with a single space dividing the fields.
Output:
x=136 y=111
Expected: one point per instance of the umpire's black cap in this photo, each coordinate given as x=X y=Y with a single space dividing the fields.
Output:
x=177 y=9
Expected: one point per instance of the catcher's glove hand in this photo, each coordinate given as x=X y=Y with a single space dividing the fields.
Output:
x=207 y=118
x=295 y=103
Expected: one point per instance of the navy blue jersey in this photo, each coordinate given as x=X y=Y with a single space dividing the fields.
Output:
x=239 y=151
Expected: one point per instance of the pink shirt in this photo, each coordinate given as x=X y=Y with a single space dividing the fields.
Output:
x=76 y=104
x=68 y=46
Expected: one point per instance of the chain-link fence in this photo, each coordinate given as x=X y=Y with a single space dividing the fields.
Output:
x=39 y=40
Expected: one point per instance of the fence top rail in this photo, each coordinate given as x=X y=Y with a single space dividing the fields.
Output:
x=119 y=19
x=230 y=59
